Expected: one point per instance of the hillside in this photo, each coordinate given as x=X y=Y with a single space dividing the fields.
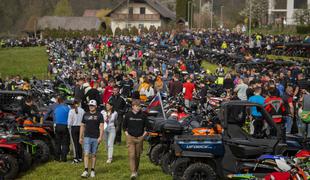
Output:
x=14 y=14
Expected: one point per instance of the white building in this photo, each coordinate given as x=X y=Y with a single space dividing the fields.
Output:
x=283 y=10
x=140 y=13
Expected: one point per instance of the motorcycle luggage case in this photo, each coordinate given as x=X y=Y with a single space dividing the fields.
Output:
x=155 y=123
x=172 y=127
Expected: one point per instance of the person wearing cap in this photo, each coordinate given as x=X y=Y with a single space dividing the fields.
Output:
x=109 y=117
x=135 y=124
x=91 y=134
x=62 y=136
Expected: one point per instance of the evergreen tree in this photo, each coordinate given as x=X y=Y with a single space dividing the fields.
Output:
x=63 y=8
x=181 y=9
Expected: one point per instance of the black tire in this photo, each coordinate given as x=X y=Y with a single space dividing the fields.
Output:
x=199 y=171
x=10 y=168
x=166 y=161
x=26 y=161
x=43 y=151
x=178 y=168
x=156 y=153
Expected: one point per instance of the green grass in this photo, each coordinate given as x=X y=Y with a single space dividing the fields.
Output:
x=286 y=58
x=212 y=67
x=27 y=62
x=119 y=169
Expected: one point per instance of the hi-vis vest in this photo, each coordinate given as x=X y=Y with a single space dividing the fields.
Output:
x=220 y=81
x=275 y=107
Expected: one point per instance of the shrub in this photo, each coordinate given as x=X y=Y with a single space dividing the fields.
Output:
x=134 y=31
x=303 y=29
x=118 y=31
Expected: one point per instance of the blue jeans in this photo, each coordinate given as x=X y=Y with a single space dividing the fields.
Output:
x=302 y=127
x=109 y=136
x=288 y=123
x=90 y=145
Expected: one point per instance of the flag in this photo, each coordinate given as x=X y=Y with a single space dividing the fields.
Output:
x=157 y=105
x=154 y=103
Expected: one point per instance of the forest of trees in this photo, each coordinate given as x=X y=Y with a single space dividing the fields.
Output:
x=14 y=14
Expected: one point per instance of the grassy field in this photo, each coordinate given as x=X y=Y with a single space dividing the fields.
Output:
x=212 y=67
x=27 y=62
x=118 y=170
x=286 y=58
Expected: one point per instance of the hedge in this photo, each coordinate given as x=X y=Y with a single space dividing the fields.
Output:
x=303 y=29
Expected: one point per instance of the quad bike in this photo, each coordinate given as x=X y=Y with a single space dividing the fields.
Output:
x=9 y=164
x=160 y=152
x=27 y=149
x=16 y=153
x=41 y=135
x=214 y=157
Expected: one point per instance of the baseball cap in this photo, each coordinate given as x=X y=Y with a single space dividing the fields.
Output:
x=92 y=103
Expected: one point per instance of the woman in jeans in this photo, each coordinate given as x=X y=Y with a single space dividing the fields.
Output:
x=109 y=116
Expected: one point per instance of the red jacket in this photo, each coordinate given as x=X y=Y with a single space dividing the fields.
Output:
x=108 y=91
x=275 y=107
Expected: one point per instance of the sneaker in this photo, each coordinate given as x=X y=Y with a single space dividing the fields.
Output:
x=80 y=160
x=92 y=174
x=109 y=161
x=133 y=176
x=85 y=174
x=75 y=161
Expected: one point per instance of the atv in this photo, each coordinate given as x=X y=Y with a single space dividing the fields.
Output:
x=17 y=154
x=214 y=157
x=39 y=135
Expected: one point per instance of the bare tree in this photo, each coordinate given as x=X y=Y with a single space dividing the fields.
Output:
x=302 y=16
x=259 y=10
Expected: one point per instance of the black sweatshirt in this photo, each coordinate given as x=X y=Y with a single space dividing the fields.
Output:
x=135 y=124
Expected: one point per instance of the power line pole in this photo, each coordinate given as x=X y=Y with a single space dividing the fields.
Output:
x=200 y=13
x=128 y=14
x=188 y=15
x=192 y=9
x=250 y=19
x=222 y=23
x=211 y=14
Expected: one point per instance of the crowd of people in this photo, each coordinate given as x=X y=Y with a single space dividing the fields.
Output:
x=105 y=72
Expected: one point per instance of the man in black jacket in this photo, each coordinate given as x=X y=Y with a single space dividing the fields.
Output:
x=135 y=124
x=79 y=90
x=119 y=105
x=127 y=86
x=175 y=86
x=94 y=94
